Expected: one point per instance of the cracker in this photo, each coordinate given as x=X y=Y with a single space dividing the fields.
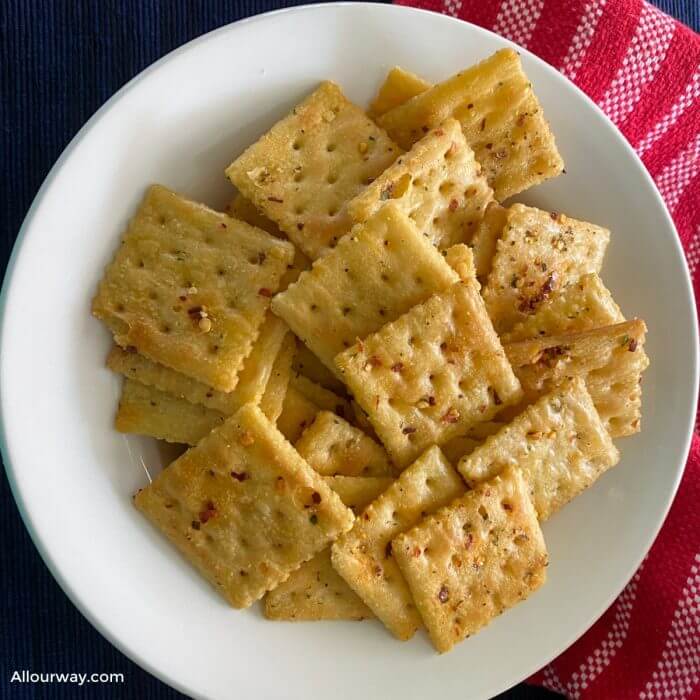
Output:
x=501 y=118
x=432 y=374
x=252 y=379
x=486 y=238
x=301 y=173
x=559 y=443
x=376 y=273
x=325 y=399
x=461 y=259
x=357 y=492
x=363 y=556
x=438 y=184
x=609 y=359
x=306 y=363
x=538 y=254
x=244 y=508
x=297 y=413
x=244 y=210
x=474 y=559
x=315 y=591
x=580 y=306
x=462 y=445
x=332 y=446
x=272 y=400
x=399 y=86
x=146 y=411
x=179 y=260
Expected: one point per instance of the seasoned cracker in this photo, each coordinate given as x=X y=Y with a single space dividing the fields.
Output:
x=538 y=254
x=373 y=276
x=252 y=379
x=461 y=259
x=272 y=400
x=399 y=86
x=297 y=413
x=609 y=359
x=189 y=287
x=315 y=591
x=144 y=410
x=244 y=210
x=334 y=447
x=486 y=238
x=432 y=374
x=438 y=184
x=580 y=306
x=357 y=492
x=363 y=556
x=559 y=443
x=301 y=173
x=474 y=559
x=501 y=118
x=306 y=363
x=244 y=508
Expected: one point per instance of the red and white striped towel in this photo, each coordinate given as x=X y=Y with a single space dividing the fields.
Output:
x=643 y=68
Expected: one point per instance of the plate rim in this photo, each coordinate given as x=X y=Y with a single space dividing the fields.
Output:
x=123 y=646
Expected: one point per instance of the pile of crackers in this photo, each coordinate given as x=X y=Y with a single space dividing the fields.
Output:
x=386 y=377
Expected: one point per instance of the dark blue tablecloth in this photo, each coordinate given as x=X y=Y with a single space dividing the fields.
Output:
x=59 y=61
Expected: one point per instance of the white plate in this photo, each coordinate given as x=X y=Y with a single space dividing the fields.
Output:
x=180 y=123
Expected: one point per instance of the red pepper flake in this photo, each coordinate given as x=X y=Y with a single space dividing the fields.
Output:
x=453 y=204
x=632 y=346
x=439 y=132
x=408 y=430
x=195 y=311
x=208 y=513
x=239 y=476
x=223 y=225
x=374 y=361
x=417 y=551
x=387 y=550
x=468 y=540
x=489 y=146
x=507 y=506
x=452 y=416
x=195 y=524
x=316 y=497
x=553 y=215
x=264 y=292
x=483 y=124
x=397 y=367
x=443 y=595
x=275 y=199
x=131 y=349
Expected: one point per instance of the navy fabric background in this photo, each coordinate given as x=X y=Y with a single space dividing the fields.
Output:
x=59 y=61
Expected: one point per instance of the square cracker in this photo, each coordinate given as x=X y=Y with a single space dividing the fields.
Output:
x=376 y=273
x=474 y=559
x=301 y=173
x=307 y=364
x=432 y=374
x=399 y=86
x=272 y=400
x=244 y=508
x=144 y=410
x=580 y=306
x=302 y=403
x=486 y=238
x=559 y=443
x=501 y=118
x=179 y=260
x=609 y=359
x=243 y=209
x=438 y=184
x=315 y=591
x=363 y=556
x=252 y=379
x=537 y=254
x=334 y=447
